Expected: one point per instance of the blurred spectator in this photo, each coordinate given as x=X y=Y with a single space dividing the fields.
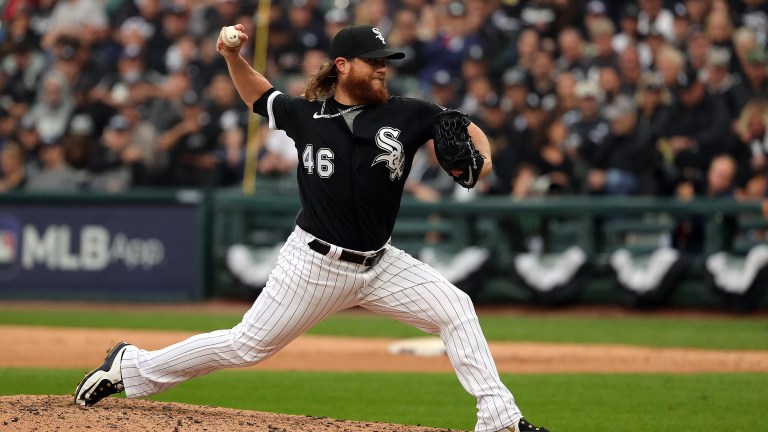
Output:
x=515 y=90
x=617 y=164
x=630 y=70
x=609 y=82
x=18 y=16
x=528 y=44
x=336 y=19
x=76 y=62
x=697 y=11
x=697 y=125
x=565 y=91
x=719 y=28
x=587 y=128
x=627 y=34
x=30 y=142
x=650 y=47
x=542 y=75
x=550 y=170
x=752 y=142
x=654 y=15
x=143 y=136
x=653 y=100
x=572 y=57
x=670 y=64
x=720 y=81
x=228 y=112
x=443 y=89
x=755 y=81
x=8 y=125
x=594 y=10
x=689 y=235
x=116 y=165
x=474 y=66
x=681 y=26
x=23 y=67
x=114 y=89
x=54 y=174
x=79 y=18
x=163 y=110
x=493 y=119
x=754 y=15
x=207 y=20
x=478 y=90
x=375 y=13
x=744 y=41
x=13 y=176
x=148 y=10
x=306 y=31
x=277 y=155
x=540 y=17
x=404 y=36
x=192 y=143
x=601 y=33
x=497 y=34
x=454 y=41
x=172 y=26
x=53 y=107
x=697 y=47
x=79 y=141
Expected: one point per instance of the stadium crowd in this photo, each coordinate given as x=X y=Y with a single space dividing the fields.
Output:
x=645 y=97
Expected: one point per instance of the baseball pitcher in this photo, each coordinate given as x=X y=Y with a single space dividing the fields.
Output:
x=356 y=145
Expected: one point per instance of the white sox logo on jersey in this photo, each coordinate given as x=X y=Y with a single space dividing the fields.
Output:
x=379 y=35
x=386 y=139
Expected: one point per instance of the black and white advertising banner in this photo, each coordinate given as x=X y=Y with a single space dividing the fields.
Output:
x=114 y=252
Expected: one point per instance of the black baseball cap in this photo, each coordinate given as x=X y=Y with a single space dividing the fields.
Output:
x=362 y=41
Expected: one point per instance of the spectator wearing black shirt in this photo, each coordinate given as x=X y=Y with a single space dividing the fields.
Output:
x=755 y=82
x=587 y=128
x=751 y=144
x=13 y=176
x=172 y=25
x=115 y=164
x=697 y=124
x=193 y=145
x=616 y=165
x=572 y=58
x=689 y=233
x=630 y=70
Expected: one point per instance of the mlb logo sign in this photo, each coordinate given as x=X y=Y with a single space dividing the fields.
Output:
x=10 y=238
x=8 y=247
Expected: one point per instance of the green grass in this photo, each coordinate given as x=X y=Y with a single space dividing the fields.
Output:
x=566 y=402
x=714 y=333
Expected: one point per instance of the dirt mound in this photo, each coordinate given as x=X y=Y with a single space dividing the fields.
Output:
x=58 y=413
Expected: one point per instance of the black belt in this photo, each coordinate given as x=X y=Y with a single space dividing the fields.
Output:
x=353 y=257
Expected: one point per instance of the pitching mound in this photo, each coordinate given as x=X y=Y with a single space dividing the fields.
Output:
x=58 y=413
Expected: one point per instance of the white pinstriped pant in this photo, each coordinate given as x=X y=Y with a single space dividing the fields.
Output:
x=306 y=287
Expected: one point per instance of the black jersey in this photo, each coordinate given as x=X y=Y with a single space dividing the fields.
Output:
x=351 y=181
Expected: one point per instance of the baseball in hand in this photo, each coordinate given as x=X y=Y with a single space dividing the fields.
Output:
x=230 y=36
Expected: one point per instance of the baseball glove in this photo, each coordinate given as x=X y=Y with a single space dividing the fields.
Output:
x=454 y=148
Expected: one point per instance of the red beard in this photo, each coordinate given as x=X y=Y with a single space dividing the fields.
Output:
x=361 y=89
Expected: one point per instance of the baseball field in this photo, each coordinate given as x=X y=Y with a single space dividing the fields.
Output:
x=580 y=369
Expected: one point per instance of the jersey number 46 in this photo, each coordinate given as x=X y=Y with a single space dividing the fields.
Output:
x=323 y=161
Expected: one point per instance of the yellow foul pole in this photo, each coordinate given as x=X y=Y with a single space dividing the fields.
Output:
x=254 y=123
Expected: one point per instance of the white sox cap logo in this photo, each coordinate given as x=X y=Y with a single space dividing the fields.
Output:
x=378 y=35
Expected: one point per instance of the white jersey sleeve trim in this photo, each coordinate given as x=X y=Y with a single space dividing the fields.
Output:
x=271 y=115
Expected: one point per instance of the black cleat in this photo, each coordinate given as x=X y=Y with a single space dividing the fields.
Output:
x=525 y=426
x=103 y=381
